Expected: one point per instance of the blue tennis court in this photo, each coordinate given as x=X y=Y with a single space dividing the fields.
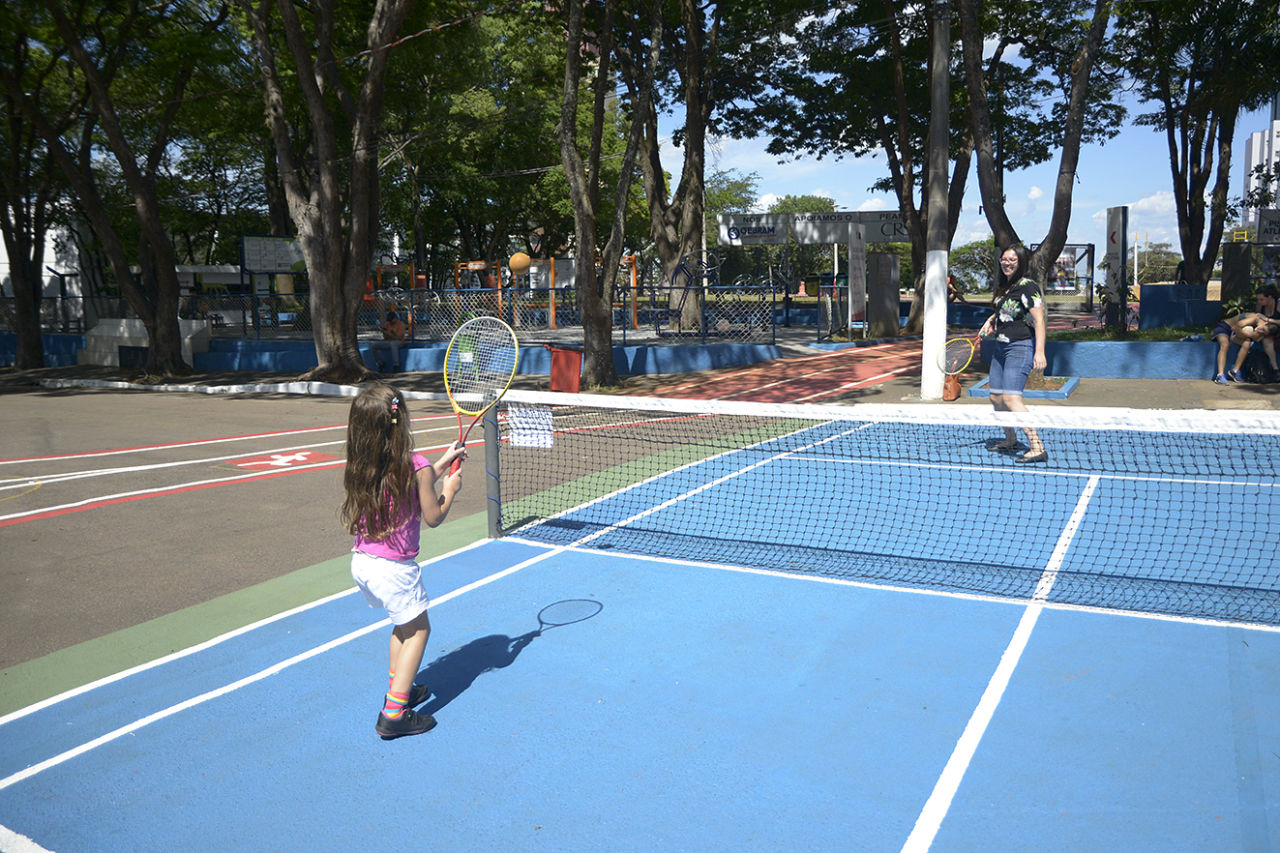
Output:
x=699 y=709
x=926 y=690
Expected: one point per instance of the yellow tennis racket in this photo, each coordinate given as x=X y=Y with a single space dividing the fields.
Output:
x=956 y=355
x=478 y=368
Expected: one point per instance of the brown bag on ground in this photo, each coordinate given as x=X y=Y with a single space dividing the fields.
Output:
x=951 y=388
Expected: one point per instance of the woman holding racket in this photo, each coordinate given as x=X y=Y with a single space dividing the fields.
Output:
x=1017 y=331
x=389 y=491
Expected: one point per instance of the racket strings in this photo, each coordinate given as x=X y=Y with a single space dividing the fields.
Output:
x=957 y=355
x=479 y=364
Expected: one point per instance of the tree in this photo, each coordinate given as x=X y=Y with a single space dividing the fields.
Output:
x=676 y=217
x=973 y=266
x=812 y=258
x=728 y=191
x=1058 y=46
x=110 y=57
x=1157 y=263
x=328 y=160
x=852 y=80
x=594 y=277
x=30 y=191
x=731 y=191
x=1200 y=64
x=470 y=154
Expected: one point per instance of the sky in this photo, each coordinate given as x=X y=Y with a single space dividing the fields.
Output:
x=1131 y=169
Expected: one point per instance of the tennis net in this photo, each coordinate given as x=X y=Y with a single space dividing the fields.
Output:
x=1162 y=512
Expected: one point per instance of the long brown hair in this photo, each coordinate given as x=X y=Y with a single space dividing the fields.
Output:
x=1006 y=283
x=379 y=478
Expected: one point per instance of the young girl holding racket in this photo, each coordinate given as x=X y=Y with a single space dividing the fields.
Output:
x=1017 y=331
x=389 y=490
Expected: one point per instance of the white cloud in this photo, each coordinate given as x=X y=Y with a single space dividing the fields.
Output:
x=874 y=203
x=1034 y=193
x=1152 y=219
x=971 y=231
x=1158 y=204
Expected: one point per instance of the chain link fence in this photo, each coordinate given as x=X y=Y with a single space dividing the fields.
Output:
x=741 y=312
x=696 y=307
x=58 y=314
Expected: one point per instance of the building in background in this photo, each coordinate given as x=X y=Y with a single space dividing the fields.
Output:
x=1263 y=149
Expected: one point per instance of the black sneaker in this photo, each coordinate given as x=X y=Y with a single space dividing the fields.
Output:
x=410 y=723
x=418 y=694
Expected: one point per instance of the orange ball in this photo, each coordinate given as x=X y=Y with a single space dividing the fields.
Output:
x=519 y=263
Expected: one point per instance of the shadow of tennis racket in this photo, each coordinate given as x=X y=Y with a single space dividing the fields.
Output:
x=567 y=612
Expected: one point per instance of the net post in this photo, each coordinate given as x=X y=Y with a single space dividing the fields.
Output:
x=493 y=483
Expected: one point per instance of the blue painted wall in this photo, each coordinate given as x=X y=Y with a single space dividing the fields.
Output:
x=1102 y=359
x=59 y=350
x=1174 y=306
x=1130 y=359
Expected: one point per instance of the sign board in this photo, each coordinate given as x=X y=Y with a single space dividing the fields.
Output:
x=271 y=254
x=763 y=229
x=809 y=228
x=857 y=277
x=753 y=229
x=883 y=226
x=1117 y=249
x=1269 y=226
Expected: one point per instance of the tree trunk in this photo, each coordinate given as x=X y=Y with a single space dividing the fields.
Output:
x=336 y=215
x=990 y=181
x=28 y=286
x=676 y=225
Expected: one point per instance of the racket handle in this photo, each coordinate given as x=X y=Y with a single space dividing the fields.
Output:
x=457 y=463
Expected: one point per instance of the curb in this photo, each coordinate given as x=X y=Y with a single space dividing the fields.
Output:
x=980 y=390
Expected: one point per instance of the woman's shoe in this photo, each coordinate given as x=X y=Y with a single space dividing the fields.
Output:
x=1041 y=456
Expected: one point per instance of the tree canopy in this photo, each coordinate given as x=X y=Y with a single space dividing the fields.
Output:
x=169 y=129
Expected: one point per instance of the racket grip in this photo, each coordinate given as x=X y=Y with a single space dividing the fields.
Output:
x=453 y=469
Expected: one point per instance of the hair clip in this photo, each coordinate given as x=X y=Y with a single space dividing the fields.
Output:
x=395 y=410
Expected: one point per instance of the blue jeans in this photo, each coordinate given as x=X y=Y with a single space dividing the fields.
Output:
x=1010 y=366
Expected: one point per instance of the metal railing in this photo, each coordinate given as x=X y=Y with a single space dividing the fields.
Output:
x=58 y=314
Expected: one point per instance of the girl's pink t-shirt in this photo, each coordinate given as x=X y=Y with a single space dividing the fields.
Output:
x=402 y=544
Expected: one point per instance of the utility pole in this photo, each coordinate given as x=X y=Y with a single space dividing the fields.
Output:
x=936 y=234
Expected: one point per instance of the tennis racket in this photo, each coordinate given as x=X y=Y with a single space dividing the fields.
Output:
x=566 y=613
x=478 y=368
x=957 y=354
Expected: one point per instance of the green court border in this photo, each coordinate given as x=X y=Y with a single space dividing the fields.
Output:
x=41 y=678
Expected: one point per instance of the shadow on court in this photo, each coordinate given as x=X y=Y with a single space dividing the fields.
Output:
x=453 y=673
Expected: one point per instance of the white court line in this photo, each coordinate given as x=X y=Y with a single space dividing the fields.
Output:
x=796 y=377
x=799 y=360
x=848 y=386
x=152 y=448
x=12 y=842
x=935 y=808
x=176 y=487
x=280 y=666
x=181 y=487
x=15 y=482
x=885 y=586
x=207 y=644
